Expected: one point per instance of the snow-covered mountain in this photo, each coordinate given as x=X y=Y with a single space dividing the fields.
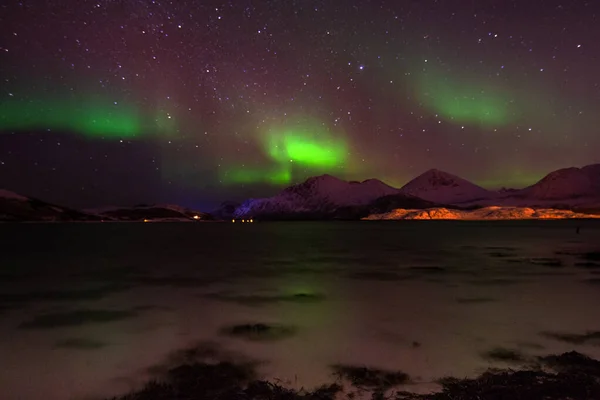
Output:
x=327 y=197
x=17 y=208
x=566 y=183
x=444 y=188
x=568 y=188
x=337 y=191
x=317 y=197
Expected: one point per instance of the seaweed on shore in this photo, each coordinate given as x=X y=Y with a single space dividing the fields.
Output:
x=570 y=375
x=514 y=385
x=223 y=381
x=259 y=331
x=365 y=377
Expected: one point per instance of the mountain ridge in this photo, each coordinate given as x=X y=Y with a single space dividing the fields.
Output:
x=18 y=208
x=564 y=183
x=433 y=189
x=328 y=197
x=315 y=198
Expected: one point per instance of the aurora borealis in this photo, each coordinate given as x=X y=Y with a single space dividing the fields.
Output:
x=89 y=120
x=464 y=102
x=307 y=146
x=197 y=102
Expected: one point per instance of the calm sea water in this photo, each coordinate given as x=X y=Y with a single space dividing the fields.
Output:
x=86 y=310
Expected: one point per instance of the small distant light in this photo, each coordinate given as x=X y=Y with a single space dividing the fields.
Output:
x=251 y=220
x=196 y=217
x=233 y=220
x=243 y=220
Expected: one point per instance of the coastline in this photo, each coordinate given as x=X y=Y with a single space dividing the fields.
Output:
x=570 y=375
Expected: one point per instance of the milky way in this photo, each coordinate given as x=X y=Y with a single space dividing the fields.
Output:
x=196 y=102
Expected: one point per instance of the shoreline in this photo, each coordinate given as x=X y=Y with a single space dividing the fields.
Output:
x=570 y=375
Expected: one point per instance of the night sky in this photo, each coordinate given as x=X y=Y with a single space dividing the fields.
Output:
x=197 y=102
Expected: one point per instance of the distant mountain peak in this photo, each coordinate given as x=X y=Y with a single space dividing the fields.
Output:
x=563 y=172
x=436 y=173
x=592 y=169
x=7 y=194
x=567 y=183
x=323 y=177
x=443 y=187
x=15 y=207
x=320 y=180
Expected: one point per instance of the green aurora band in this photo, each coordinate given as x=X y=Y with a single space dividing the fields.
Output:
x=308 y=145
x=305 y=149
x=89 y=118
x=464 y=102
x=280 y=175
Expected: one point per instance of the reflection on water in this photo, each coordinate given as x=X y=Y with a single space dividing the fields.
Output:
x=94 y=309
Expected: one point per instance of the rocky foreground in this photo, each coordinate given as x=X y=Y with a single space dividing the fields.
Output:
x=572 y=376
x=482 y=214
